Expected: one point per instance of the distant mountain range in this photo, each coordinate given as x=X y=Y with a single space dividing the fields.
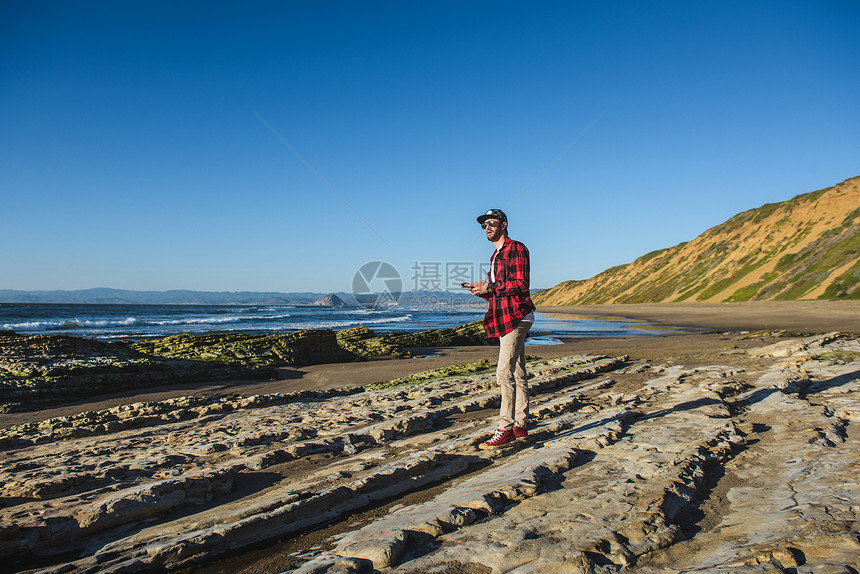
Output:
x=805 y=248
x=103 y=295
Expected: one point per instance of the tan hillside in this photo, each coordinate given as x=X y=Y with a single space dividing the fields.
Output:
x=805 y=248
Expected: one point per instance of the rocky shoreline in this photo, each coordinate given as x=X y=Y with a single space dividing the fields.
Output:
x=42 y=370
x=728 y=453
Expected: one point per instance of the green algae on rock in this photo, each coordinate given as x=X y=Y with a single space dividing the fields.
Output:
x=39 y=370
x=46 y=369
x=307 y=347
x=364 y=342
x=475 y=367
x=468 y=334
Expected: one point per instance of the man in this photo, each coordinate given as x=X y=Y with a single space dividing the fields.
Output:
x=510 y=316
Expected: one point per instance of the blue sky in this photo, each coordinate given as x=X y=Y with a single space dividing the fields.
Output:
x=278 y=146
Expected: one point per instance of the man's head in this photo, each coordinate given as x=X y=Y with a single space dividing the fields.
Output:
x=495 y=223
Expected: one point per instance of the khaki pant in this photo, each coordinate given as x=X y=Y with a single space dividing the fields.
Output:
x=511 y=375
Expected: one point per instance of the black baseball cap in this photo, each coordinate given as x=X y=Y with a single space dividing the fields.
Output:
x=493 y=214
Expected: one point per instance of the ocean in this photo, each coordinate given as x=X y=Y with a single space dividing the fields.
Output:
x=132 y=322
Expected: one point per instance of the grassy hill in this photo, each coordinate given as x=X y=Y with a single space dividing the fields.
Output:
x=805 y=248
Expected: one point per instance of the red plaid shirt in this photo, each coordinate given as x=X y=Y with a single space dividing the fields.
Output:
x=510 y=300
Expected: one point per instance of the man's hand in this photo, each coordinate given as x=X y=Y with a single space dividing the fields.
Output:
x=479 y=288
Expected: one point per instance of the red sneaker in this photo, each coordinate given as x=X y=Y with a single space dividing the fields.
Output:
x=520 y=433
x=500 y=438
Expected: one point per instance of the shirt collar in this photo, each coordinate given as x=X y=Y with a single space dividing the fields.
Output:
x=505 y=244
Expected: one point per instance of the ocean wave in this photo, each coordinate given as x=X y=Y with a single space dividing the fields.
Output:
x=349 y=323
x=248 y=310
x=68 y=324
x=261 y=309
x=219 y=320
x=362 y=312
x=194 y=321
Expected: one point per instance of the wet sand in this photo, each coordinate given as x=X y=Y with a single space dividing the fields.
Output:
x=795 y=316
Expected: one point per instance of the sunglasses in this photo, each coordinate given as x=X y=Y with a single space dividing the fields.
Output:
x=490 y=223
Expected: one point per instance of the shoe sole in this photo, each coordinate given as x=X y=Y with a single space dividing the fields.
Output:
x=485 y=446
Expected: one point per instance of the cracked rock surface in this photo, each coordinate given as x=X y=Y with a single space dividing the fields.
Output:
x=748 y=462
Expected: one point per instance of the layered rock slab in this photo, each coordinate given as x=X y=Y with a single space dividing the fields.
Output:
x=620 y=455
x=98 y=491
x=794 y=509
x=642 y=469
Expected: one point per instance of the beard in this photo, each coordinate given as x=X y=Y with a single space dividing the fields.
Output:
x=495 y=235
